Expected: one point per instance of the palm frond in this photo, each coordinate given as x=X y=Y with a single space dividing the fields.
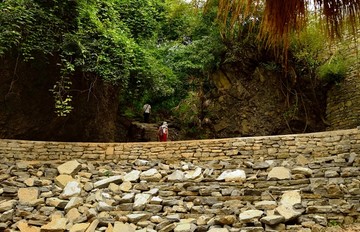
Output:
x=282 y=17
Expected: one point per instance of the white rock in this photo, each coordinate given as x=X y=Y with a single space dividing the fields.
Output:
x=193 y=174
x=156 y=200
x=105 y=183
x=73 y=188
x=140 y=162
x=136 y=217
x=141 y=200
x=250 y=215
x=132 y=176
x=272 y=219
x=173 y=217
x=177 y=175
x=151 y=175
x=149 y=172
x=103 y=206
x=153 y=191
x=237 y=175
x=127 y=197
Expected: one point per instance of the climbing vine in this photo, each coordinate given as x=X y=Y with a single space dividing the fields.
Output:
x=98 y=37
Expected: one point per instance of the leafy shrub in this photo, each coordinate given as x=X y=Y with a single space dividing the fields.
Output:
x=111 y=39
x=188 y=110
x=334 y=71
x=334 y=223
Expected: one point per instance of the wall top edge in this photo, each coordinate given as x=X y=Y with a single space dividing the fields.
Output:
x=314 y=134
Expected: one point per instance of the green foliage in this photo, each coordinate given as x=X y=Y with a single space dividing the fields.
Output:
x=104 y=38
x=309 y=50
x=291 y=112
x=188 y=109
x=270 y=66
x=106 y=172
x=333 y=223
x=197 y=58
x=142 y=17
x=179 y=20
x=30 y=27
x=197 y=45
x=333 y=71
x=152 y=49
x=61 y=89
x=187 y=49
x=62 y=99
x=312 y=52
x=129 y=113
x=200 y=52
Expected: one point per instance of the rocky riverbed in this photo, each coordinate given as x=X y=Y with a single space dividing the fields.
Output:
x=148 y=195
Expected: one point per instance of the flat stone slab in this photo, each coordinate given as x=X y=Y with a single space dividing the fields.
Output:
x=250 y=215
x=279 y=173
x=105 y=183
x=69 y=168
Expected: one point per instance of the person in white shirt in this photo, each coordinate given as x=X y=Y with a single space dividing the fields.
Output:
x=147 y=109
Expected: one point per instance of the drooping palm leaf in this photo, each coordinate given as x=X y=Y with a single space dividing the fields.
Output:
x=281 y=17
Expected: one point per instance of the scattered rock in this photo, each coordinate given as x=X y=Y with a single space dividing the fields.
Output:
x=105 y=183
x=237 y=175
x=69 y=168
x=279 y=173
x=250 y=215
x=72 y=189
x=184 y=197
x=272 y=219
x=132 y=176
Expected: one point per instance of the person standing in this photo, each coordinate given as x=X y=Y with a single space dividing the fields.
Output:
x=147 y=109
x=163 y=132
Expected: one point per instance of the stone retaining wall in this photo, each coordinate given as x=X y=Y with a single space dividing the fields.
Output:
x=343 y=108
x=299 y=182
x=312 y=145
x=343 y=102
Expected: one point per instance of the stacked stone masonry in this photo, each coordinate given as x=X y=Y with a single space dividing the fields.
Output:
x=303 y=182
x=343 y=102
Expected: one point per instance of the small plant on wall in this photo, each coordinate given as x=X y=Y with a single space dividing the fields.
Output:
x=333 y=71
